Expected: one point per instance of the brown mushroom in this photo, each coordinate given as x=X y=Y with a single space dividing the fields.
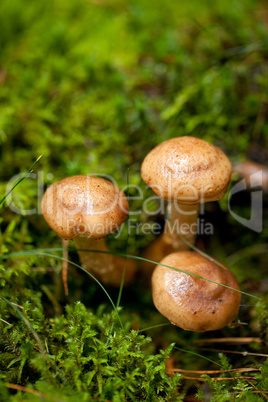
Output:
x=192 y=303
x=185 y=171
x=86 y=209
x=253 y=173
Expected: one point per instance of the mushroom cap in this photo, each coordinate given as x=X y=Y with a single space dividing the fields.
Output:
x=187 y=170
x=84 y=206
x=192 y=303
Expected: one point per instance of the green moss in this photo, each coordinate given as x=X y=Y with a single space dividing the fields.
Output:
x=83 y=355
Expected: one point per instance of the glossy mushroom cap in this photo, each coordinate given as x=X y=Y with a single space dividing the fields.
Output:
x=187 y=170
x=192 y=303
x=84 y=206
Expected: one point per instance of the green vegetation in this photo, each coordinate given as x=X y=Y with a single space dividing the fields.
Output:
x=93 y=85
x=87 y=357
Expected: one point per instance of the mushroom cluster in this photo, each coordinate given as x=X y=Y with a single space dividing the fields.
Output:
x=186 y=172
x=196 y=294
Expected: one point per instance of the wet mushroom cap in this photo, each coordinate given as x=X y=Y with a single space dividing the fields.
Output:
x=192 y=303
x=84 y=205
x=187 y=170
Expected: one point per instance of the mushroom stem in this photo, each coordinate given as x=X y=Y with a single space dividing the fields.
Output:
x=65 y=245
x=105 y=267
x=181 y=219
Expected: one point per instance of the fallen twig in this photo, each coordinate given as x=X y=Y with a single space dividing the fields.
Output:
x=239 y=370
x=244 y=340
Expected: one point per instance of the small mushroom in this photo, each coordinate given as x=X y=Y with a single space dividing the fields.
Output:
x=253 y=173
x=86 y=209
x=192 y=303
x=184 y=171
